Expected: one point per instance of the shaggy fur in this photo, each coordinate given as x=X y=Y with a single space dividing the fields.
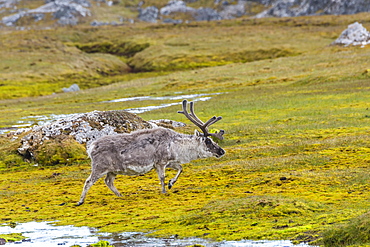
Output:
x=140 y=151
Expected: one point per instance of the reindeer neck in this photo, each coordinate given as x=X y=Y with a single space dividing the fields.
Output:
x=188 y=147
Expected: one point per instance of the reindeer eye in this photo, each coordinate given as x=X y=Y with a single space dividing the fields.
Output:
x=208 y=141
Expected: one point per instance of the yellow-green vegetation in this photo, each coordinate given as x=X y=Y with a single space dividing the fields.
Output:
x=355 y=232
x=12 y=237
x=101 y=243
x=297 y=138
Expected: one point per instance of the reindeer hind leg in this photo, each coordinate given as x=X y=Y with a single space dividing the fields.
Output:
x=88 y=183
x=109 y=179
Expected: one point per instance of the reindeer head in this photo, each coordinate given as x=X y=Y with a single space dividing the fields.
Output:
x=210 y=146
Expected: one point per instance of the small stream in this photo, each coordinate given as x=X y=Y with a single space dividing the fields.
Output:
x=26 y=122
x=45 y=234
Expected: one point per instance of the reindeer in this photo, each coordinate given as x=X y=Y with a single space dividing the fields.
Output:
x=140 y=151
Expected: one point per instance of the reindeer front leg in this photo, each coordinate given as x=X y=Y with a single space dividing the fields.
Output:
x=160 y=168
x=178 y=168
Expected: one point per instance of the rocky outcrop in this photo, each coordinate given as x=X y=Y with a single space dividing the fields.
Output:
x=291 y=8
x=71 y=12
x=176 y=6
x=66 y=12
x=76 y=129
x=355 y=34
x=149 y=14
x=233 y=10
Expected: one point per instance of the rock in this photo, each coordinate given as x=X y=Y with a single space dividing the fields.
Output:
x=2 y=241
x=7 y=4
x=12 y=19
x=82 y=128
x=96 y=23
x=72 y=88
x=291 y=8
x=171 y=21
x=233 y=11
x=175 y=6
x=65 y=11
x=207 y=14
x=355 y=34
x=149 y=14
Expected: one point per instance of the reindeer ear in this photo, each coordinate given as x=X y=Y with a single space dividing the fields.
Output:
x=197 y=133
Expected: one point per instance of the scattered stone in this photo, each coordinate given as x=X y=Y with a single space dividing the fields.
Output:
x=12 y=19
x=291 y=8
x=96 y=23
x=175 y=6
x=233 y=11
x=65 y=11
x=207 y=14
x=171 y=21
x=355 y=34
x=149 y=14
x=69 y=12
x=72 y=88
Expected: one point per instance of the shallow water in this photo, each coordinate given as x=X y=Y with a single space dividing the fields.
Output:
x=45 y=234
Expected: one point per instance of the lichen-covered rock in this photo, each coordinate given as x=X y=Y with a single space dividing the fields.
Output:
x=66 y=12
x=233 y=10
x=206 y=14
x=290 y=8
x=175 y=6
x=45 y=142
x=355 y=34
x=149 y=14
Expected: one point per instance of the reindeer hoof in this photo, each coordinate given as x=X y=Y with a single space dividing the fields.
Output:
x=170 y=184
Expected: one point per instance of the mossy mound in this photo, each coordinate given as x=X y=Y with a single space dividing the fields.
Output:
x=63 y=141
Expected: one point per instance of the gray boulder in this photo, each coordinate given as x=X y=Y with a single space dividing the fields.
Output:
x=11 y=20
x=291 y=8
x=67 y=12
x=233 y=11
x=207 y=14
x=7 y=4
x=175 y=6
x=355 y=34
x=149 y=14
x=72 y=88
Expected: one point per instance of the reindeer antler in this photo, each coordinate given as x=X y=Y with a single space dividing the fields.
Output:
x=199 y=123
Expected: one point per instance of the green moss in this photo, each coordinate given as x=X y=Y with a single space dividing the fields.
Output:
x=356 y=232
x=9 y=157
x=12 y=237
x=61 y=150
x=101 y=243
